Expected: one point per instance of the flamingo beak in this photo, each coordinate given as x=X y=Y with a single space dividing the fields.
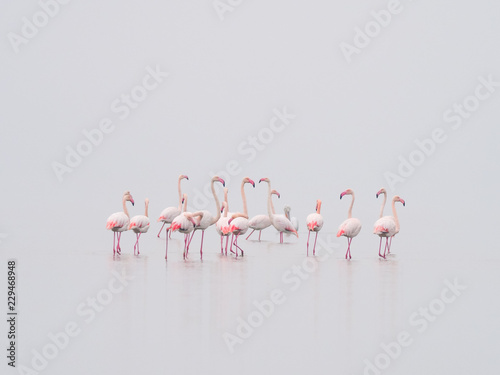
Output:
x=182 y=201
x=377 y=195
x=402 y=201
x=279 y=195
x=186 y=177
x=222 y=182
x=132 y=201
x=342 y=194
x=251 y=181
x=262 y=179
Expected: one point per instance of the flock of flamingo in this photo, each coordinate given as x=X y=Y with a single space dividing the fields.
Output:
x=236 y=224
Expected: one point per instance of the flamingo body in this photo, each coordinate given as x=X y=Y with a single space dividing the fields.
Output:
x=349 y=228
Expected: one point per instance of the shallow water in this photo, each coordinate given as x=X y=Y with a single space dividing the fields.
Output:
x=330 y=314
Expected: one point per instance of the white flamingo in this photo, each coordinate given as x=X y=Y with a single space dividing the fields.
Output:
x=207 y=219
x=170 y=213
x=238 y=223
x=185 y=224
x=119 y=221
x=140 y=224
x=280 y=222
x=350 y=227
x=388 y=226
x=293 y=219
x=314 y=223
x=260 y=222
x=222 y=226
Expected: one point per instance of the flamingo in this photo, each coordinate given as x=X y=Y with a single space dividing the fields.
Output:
x=280 y=222
x=222 y=226
x=314 y=224
x=239 y=221
x=260 y=222
x=292 y=219
x=118 y=222
x=350 y=227
x=388 y=226
x=170 y=213
x=185 y=224
x=383 y=191
x=207 y=218
x=140 y=224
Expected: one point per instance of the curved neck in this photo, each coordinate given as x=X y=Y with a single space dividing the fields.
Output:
x=318 y=211
x=395 y=214
x=124 y=201
x=146 y=211
x=244 y=198
x=180 y=193
x=383 y=205
x=349 y=213
x=270 y=206
x=217 y=204
x=185 y=204
x=225 y=208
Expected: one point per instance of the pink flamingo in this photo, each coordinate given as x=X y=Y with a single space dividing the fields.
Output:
x=314 y=224
x=384 y=192
x=185 y=224
x=183 y=201
x=350 y=227
x=118 y=222
x=260 y=222
x=222 y=226
x=238 y=223
x=170 y=213
x=140 y=224
x=388 y=226
x=280 y=222
x=207 y=219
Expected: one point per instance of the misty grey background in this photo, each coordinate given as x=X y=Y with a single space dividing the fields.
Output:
x=353 y=121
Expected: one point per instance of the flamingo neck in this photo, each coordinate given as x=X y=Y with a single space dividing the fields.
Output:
x=270 y=206
x=217 y=204
x=244 y=198
x=349 y=213
x=125 y=210
x=225 y=208
x=180 y=193
x=395 y=214
x=318 y=211
x=146 y=211
x=383 y=205
x=185 y=204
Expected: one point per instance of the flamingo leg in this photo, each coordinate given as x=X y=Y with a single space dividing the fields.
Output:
x=260 y=232
x=170 y=235
x=314 y=248
x=227 y=240
x=250 y=234
x=308 y=242
x=221 y=248
x=237 y=247
x=184 y=254
x=231 y=247
x=348 y=248
x=138 y=237
x=380 y=246
x=281 y=237
x=390 y=243
x=386 y=244
x=114 y=236
x=189 y=243
x=201 y=248
x=118 y=248
x=161 y=229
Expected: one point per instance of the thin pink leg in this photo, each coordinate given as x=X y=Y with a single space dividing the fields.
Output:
x=260 y=232
x=386 y=245
x=348 y=248
x=114 y=236
x=380 y=247
x=138 y=243
x=201 y=248
x=189 y=243
x=231 y=247
x=170 y=235
x=308 y=235
x=250 y=234
x=161 y=229
x=118 y=248
x=227 y=240
x=314 y=248
x=390 y=243
x=237 y=247
x=221 y=247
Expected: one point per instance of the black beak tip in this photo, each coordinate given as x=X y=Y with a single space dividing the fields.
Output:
x=224 y=184
x=340 y=196
x=377 y=195
x=253 y=184
x=133 y=204
x=404 y=204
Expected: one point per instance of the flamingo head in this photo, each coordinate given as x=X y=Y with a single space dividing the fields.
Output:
x=248 y=180
x=224 y=206
x=275 y=192
x=318 y=205
x=128 y=197
x=381 y=191
x=347 y=192
x=397 y=198
x=183 y=198
x=182 y=176
x=265 y=179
